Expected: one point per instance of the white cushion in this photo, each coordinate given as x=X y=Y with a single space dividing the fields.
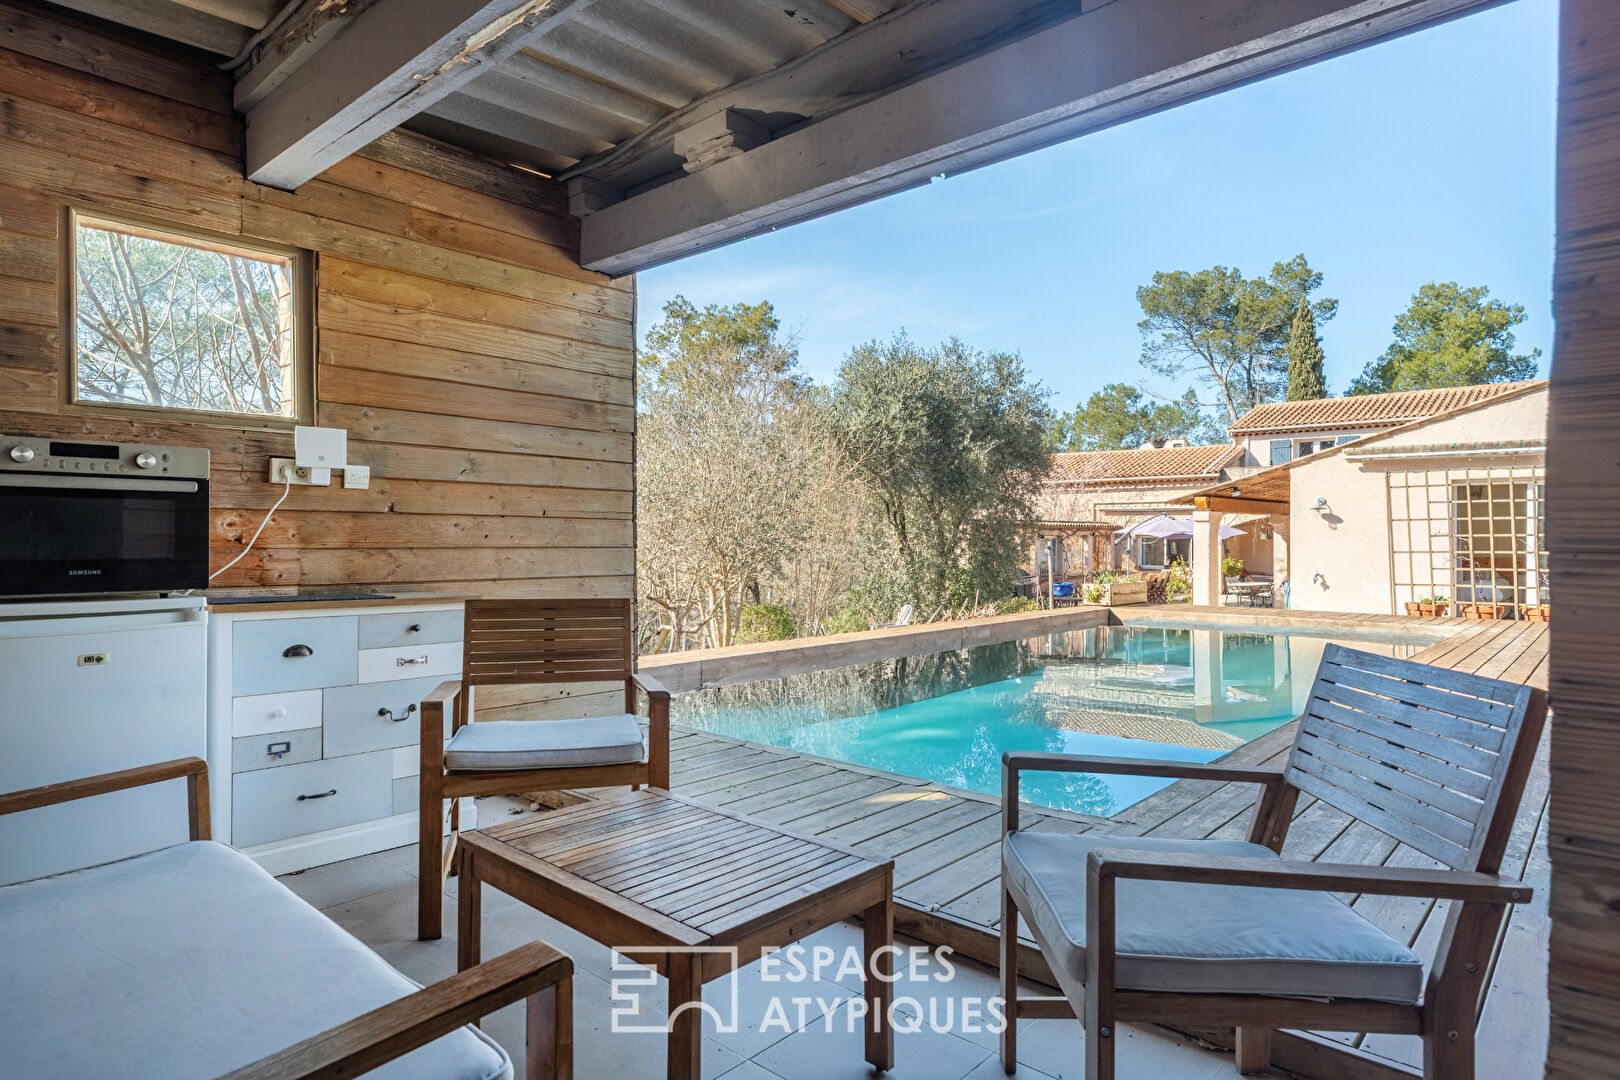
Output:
x=190 y=962
x=545 y=744
x=1215 y=939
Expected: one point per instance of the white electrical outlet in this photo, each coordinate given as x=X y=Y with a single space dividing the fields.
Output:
x=301 y=476
x=357 y=476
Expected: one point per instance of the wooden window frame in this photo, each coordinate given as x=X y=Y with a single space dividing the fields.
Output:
x=303 y=301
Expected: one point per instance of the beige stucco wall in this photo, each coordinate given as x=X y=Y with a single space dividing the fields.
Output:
x=1348 y=544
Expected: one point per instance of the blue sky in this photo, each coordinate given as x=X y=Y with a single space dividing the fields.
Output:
x=1428 y=158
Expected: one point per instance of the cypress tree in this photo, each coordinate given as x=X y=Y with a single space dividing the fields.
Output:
x=1305 y=376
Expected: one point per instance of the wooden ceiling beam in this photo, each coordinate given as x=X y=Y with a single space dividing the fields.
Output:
x=1223 y=505
x=1106 y=64
x=382 y=64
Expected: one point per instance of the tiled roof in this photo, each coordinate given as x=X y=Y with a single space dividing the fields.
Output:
x=1170 y=463
x=1366 y=410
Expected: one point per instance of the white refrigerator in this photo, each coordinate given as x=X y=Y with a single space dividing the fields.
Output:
x=93 y=686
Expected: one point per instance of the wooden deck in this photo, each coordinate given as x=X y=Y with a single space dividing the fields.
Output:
x=946 y=842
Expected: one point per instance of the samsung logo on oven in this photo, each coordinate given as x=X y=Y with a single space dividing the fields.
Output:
x=82 y=573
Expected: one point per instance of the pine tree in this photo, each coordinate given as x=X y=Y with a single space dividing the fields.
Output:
x=1305 y=375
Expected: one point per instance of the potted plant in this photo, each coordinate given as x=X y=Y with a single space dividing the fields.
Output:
x=1536 y=612
x=1429 y=605
x=1481 y=611
x=1093 y=593
x=1231 y=568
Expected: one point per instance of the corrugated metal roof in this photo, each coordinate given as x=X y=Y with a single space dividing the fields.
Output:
x=1365 y=410
x=607 y=89
x=1168 y=463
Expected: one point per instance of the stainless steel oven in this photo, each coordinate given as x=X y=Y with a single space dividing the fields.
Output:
x=90 y=517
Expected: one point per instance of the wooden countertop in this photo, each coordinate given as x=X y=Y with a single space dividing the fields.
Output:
x=294 y=602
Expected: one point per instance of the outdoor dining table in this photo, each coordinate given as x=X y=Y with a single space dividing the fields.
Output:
x=1252 y=591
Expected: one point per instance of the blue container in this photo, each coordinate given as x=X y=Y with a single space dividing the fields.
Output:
x=1063 y=588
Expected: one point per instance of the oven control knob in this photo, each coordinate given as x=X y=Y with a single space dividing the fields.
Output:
x=144 y=460
x=22 y=454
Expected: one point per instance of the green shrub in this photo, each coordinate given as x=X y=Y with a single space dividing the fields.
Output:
x=1231 y=567
x=765 y=622
x=1105 y=577
x=846 y=620
x=1094 y=593
x=1178 y=582
x=1012 y=605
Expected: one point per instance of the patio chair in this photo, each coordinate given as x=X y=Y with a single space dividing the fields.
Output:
x=1212 y=933
x=528 y=642
x=901 y=618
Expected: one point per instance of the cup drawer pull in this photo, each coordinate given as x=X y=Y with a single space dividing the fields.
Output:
x=406 y=661
x=318 y=795
x=293 y=652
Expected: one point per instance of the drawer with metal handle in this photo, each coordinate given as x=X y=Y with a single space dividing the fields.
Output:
x=273 y=804
x=273 y=748
x=374 y=716
x=270 y=655
x=410 y=628
x=410 y=662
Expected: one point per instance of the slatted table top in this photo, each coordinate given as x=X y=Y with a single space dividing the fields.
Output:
x=693 y=874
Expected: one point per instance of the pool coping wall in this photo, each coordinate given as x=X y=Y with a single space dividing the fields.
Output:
x=700 y=669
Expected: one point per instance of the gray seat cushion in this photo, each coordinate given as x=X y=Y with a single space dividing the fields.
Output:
x=190 y=961
x=1215 y=939
x=545 y=744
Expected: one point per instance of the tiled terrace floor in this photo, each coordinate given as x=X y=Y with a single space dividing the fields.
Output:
x=374 y=898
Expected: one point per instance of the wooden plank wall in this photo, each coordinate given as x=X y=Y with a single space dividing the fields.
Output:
x=485 y=377
x=1583 y=522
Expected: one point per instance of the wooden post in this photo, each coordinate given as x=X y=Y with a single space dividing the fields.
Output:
x=1099 y=1018
x=1583 y=534
x=1009 y=981
x=685 y=1025
x=469 y=907
x=430 y=834
x=549 y=1053
x=877 y=930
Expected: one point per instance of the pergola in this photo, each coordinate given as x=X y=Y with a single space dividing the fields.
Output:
x=1264 y=493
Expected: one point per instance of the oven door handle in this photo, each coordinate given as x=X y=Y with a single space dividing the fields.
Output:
x=95 y=483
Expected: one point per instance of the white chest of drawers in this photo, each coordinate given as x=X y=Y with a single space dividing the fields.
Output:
x=313 y=728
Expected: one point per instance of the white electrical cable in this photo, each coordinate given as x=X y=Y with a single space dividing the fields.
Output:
x=285 y=492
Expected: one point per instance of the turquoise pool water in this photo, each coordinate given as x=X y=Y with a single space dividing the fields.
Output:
x=1143 y=692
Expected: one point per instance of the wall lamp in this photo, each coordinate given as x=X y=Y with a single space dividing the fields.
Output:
x=1321 y=506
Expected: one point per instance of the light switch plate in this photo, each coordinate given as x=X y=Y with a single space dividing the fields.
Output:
x=357 y=476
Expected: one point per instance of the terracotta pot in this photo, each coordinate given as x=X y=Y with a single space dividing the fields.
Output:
x=1536 y=612
x=1480 y=611
x=1413 y=607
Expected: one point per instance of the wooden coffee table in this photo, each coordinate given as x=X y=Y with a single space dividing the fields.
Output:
x=690 y=889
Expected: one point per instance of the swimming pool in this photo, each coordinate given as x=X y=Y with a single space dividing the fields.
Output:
x=1138 y=691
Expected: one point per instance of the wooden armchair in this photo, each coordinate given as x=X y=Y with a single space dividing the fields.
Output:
x=526 y=642
x=184 y=996
x=1157 y=930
